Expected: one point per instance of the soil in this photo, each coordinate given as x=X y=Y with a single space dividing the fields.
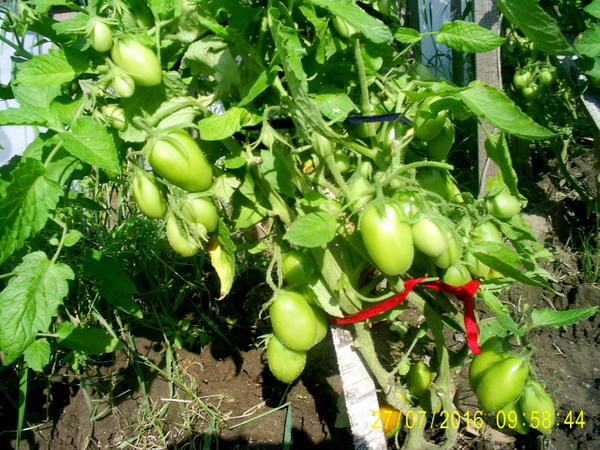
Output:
x=233 y=379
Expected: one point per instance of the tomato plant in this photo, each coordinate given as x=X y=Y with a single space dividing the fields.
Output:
x=538 y=407
x=293 y=320
x=418 y=379
x=296 y=269
x=502 y=383
x=148 y=195
x=180 y=239
x=428 y=237
x=285 y=364
x=201 y=210
x=101 y=36
x=137 y=60
x=123 y=85
x=504 y=205
x=493 y=351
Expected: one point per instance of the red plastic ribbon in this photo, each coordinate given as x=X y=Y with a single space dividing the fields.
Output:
x=465 y=293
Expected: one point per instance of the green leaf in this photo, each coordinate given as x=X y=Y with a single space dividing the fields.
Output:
x=24 y=210
x=89 y=141
x=497 y=149
x=312 y=230
x=407 y=35
x=468 y=37
x=276 y=169
x=212 y=54
x=262 y=82
x=502 y=312
x=72 y=238
x=221 y=250
x=93 y=340
x=246 y=213
x=593 y=9
x=23 y=116
x=37 y=354
x=538 y=26
x=335 y=106
x=112 y=282
x=75 y=24
x=29 y=301
x=52 y=68
x=221 y=126
x=588 y=43
x=552 y=318
x=348 y=10
x=494 y=106
x=43 y=6
x=183 y=115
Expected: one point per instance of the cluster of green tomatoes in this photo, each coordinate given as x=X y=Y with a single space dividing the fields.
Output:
x=298 y=325
x=502 y=383
x=531 y=81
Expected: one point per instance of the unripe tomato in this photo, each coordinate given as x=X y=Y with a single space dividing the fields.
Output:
x=429 y=238
x=502 y=383
x=439 y=147
x=434 y=180
x=418 y=379
x=123 y=85
x=450 y=255
x=140 y=62
x=293 y=320
x=427 y=124
x=296 y=269
x=148 y=195
x=358 y=188
x=285 y=363
x=101 y=36
x=387 y=239
x=504 y=205
x=322 y=324
x=547 y=76
x=322 y=145
x=538 y=408
x=115 y=116
x=494 y=350
x=342 y=161
x=178 y=159
x=476 y=267
x=487 y=232
x=521 y=79
x=409 y=205
x=200 y=209
x=391 y=420
x=179 y=239
x=343 y=28
x=457 y=275
x=531 y=92
x=511 y=417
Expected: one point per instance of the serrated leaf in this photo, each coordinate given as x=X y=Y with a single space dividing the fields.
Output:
x=52 y=68
x=349 y=11
x=552 y=318
x=43 y=6
x=29 y=301
x=593 y=9
x=312 y=230
x=468 y=37
x=538 y=26
x=23 y=116
x=37 y=354
x=24 y=210
x=89 y=141
x=407 y=35
x=588 y=43
x=93 y=340
x=221 y=250
x=494 y=106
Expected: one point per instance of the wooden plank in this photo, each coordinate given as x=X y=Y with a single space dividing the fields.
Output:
x=487 y=69
x=359 y=393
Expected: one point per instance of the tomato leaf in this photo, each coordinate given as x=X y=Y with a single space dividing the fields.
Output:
x=92 y=340
x=494 y=106
x=312 y=230
x=89 y=141
x=468 y=37
x=557 y=319
x=221 y=250
x=24 y=210
x=589 y=42
x=407 y=35
x=335 y=106
x=538 y=26
x=593 y=9
x=37 y=354
x=277 y=169
x=54 y=68
x=221 y=126
x=497 y=149
x=29 y=301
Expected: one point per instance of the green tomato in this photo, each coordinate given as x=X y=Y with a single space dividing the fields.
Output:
x=450 y=255
x=342 y=161
x=429 y=238
x=148 y=195
x=293 y=320
x=428 y=125
x=387 y=238
x=343 y=28
x=538 y=408
x=522 y=79
x=456 y=275
x=547 y=76
x=285 y=363
x=511 y=417
x=177 y=158
x=200 y=209
x=322 y=324
x=476 y=267
x=418 y=379
x=409 y=205
x=138 y=61
x=436 y=181
x=504 y=205
x=494 y=350
x=179 y=239
x=439 y=147
x=502 y=383
x=123 y=85
x=531 y=92
x=487 y=232
x=296 y=269
x=359 y=191
x=115 y=116
x=101 y=36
